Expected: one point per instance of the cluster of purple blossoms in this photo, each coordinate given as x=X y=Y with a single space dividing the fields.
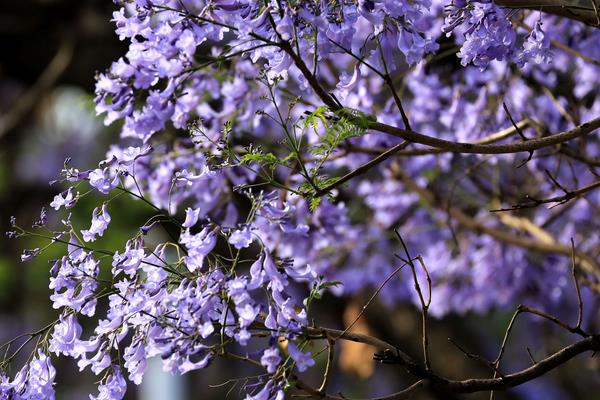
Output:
x=33 y=381
x=258 y=241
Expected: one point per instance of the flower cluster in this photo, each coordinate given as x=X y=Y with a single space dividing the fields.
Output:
x=227 y=144
x=33 y=381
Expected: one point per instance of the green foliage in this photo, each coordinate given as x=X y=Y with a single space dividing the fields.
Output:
x=337 y=126
x=333 y=128
x=314 y=203
x=269 y=160
x=266 y=160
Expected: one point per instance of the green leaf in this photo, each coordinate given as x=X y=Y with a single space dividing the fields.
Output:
x=326 y=285
x=314 y=203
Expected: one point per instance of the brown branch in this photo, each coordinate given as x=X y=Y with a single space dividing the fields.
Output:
x=474 y=148
x=402 y=395
x=591 y=343
x=476 y=357
x=569 y=195
x=491 y=138
x=320 y=332
x=574 y=9
x=446 y=145
x=587 y=262
x=363 y=168
x=447 y=386
x=577 y=288
x=573 y=329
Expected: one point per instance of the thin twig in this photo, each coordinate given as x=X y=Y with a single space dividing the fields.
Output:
x=368 y=303
x=531 y=356
x=519 y=131
x=363 y=168
x=573 y=329
x=577 y=288
x=568 y=196
x=329 y=366
x=424 y=304
x=496 y=363
x=556 y=182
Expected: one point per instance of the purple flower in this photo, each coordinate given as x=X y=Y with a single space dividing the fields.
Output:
x=191 y=217
x=186 y=43
x=414 y=45
x=186 y=365
x=271 y=359
x=247 y=314
x=99 y=224
x=100 y=361
x=241 y=238
x=302 y=360
x=135 y=361
x=74 y=282
x=269 y=392
x=129 y=261
x=7 y=390
x=36 y=379
x=348 y=81
x=371 y=10
x=303 y=273
x=113 y=387
x=198 y=246
x=128 y=156
x=287 y=311
x=285 y=27
x=242 y=336
x=66 y=199
x=43 y=219
x=536 y=47
x=104 y=180
x=65 y=336
x=277 y=280
x=489 y=36
x=206 y=329
x=237 y=289
x=27 y=255
x=257 y=273
x=185 y=178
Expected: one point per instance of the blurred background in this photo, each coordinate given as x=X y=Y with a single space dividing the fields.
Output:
x=50 y=51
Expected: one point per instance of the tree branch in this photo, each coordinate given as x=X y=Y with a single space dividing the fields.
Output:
x=446 y=145
x=588 y=263
x=447 y=386
x=580 y=10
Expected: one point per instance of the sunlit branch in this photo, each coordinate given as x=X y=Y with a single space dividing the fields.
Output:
x=585 y=11
x=587 y=262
